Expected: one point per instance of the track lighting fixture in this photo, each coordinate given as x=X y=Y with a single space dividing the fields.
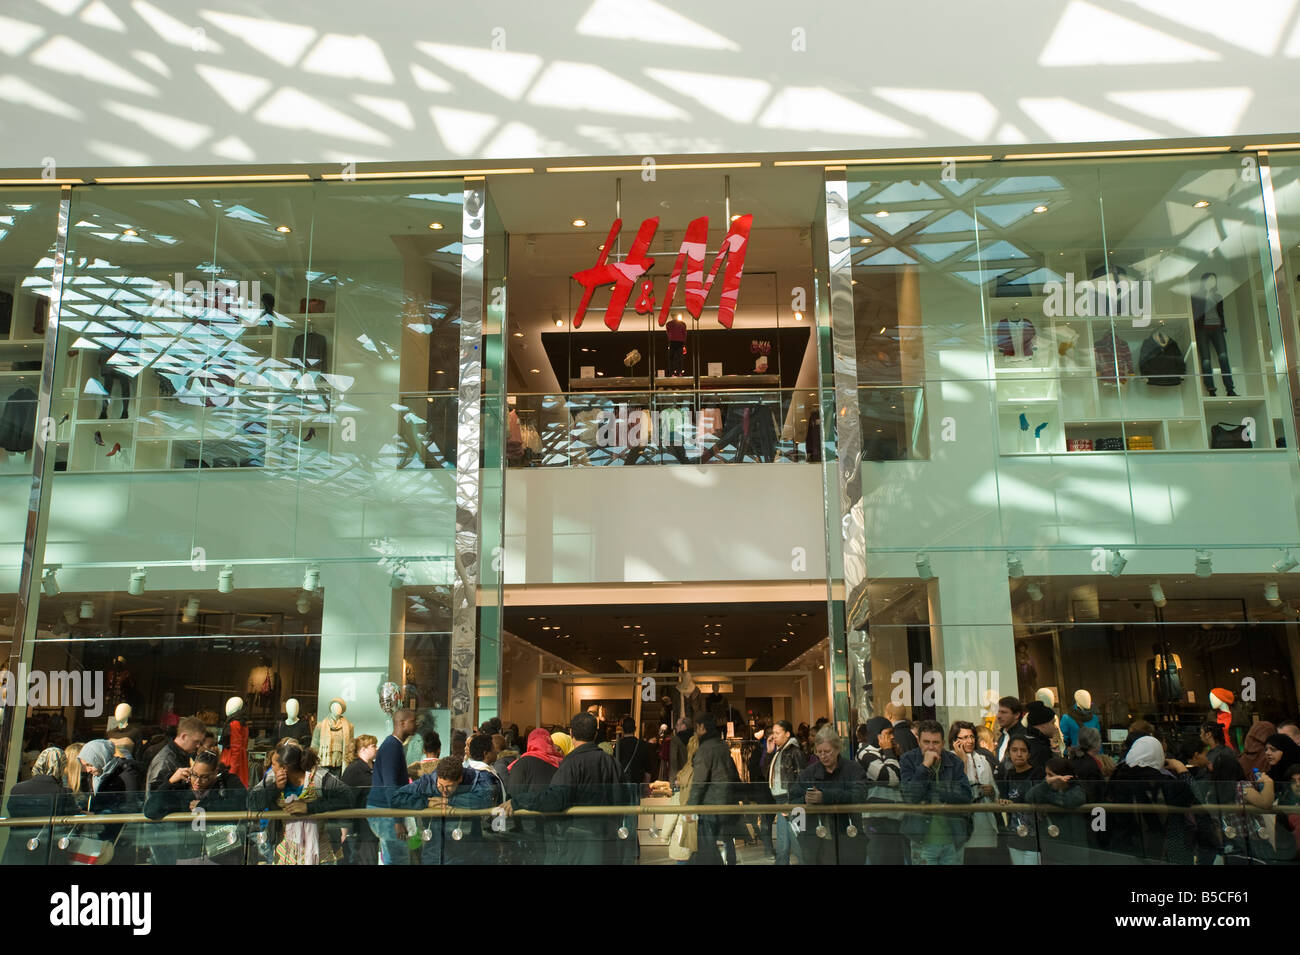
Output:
x=311 y=579
x=1117 y=563
x=1203 y=565
x=50 y=582
x=135 y=587
x=226 y=579
x=923 y=569
x=1286 y=563
x=1158 y=595
x=1015 y=569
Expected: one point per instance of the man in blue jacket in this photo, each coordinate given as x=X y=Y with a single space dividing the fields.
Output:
x=452 y=785
x=931 y=774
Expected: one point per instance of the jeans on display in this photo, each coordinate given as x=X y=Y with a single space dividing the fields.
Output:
x=940 y=854
x=108 y=375
x=785 y=840
x=676 y=359
x=392 y=850
x=1025 y=857
x=1207 y=338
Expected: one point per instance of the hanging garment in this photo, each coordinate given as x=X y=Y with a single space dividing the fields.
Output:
x=311 y=350
x=18 y=421
x=1015 y=339
x=1162 y=362
x=234 y=749
x=1114 y=360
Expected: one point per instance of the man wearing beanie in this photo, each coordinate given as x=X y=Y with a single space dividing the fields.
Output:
x=1042 y=724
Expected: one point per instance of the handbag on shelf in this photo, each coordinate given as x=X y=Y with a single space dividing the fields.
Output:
x=1229 y=436
x=1109 y=444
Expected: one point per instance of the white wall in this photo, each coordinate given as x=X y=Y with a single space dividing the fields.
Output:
x=107 y=82
x=640 y=524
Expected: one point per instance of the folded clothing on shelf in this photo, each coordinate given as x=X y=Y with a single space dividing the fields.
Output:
x=1141 y=442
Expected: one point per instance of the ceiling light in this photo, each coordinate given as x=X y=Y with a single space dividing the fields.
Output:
x=1035 y=592
x=923 y=569
x=735 y=217
x=226 y=579
x=1285 y=564
x=283 y=228
x=311 y=579
x=435 y=225
x=1117 y=563
x=87 y=610
x=865 y=240
x=1201 y=204
x=1203 y=564
x=1271 y=595
x=579 y=223
x=1158 y=595
x=798 y=316
x=559 y=323
x=50 y=582
x=191 y=612
x=135 y=586
x=129 y=232
x=882 y=214
x=1015 y=569
x=519 y=334
x=1040 y=209
x=534 y=371
x=303 y=603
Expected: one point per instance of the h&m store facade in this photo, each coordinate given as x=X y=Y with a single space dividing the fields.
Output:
x=1026 y=425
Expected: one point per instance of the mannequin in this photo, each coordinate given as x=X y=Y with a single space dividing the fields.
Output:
x=234 y=740
x=1210 y=328
x=1221 y=701
x=333 y=735
x=1079 y=716
x=1163 y=669
x=119 y=724
x=291 y=726
x=1015 y=337
x=688 y=699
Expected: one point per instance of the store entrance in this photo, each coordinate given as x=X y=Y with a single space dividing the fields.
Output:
x=746 y=663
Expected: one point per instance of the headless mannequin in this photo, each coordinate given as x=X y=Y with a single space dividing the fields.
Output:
x=1220 y=706
x=234 y=740
x=333 y=734
x=291 y=726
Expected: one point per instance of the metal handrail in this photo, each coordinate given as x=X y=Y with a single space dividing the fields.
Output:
x=749 y=809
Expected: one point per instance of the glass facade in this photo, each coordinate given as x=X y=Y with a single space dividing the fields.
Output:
x=293 y=457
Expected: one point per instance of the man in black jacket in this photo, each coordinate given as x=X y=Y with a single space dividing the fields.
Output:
x=1042 y=728
x=1010 y=711
x=715 y=781
x=586 y=777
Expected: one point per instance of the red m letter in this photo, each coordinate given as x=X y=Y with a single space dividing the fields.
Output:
x=694 y=245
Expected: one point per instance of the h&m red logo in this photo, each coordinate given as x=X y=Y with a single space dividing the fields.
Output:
x=628 y=274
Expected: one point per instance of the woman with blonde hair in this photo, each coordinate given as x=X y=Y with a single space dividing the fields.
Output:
x=682 y=834
x=72 y=773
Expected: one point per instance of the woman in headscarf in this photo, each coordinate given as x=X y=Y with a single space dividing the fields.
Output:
x=682 y=834
x=563 y=742
x=117 y=786
x=43 y=795
x=529 y=775
x=1252 y=749
x=1280 y=753
x=1147 y=778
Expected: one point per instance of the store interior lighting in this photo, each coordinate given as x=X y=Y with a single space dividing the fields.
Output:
x=1015 y=569
x=70 y=615
x=311 y=579
x=226 y=579
x=50 y=582
x=135 y=586
x=1035 y=592
x=191 y=612
x=303 y=604
x=1271 y=594
x=1158 y=595
x=1204 y=567
x=1286 y=563
x=87 y=610
x=1117 y=563
x=923 y=569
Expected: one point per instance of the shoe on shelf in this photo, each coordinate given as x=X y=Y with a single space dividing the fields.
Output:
x=117 y=446
x=99 y=439
x=1231 y=393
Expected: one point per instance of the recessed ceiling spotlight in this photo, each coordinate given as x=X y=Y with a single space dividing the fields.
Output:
x=798 y=316
x=735 y=217
x=534 y=371
x=129 y=232
x=519 y=334
x=882 y=214
x=435 y=225
x=1201 y=204
x=283 y=228
x=559 y=323
x=865 y=240
x=579 y=223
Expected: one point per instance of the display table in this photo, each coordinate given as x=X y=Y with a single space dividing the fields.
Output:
x=732 y=382
x=639 y=383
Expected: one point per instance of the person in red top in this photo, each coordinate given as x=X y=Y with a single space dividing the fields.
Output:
x=676 y=329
